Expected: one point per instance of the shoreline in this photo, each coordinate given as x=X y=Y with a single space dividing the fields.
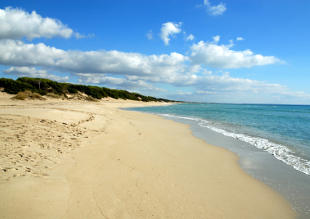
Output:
x=123 y=166
x=293 y=185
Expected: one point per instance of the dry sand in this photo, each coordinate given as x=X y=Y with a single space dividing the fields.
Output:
x=75 y=159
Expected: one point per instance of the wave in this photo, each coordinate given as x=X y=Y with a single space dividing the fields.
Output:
x=280 y=152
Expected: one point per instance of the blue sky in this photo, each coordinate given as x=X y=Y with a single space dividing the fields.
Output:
x=205 y=50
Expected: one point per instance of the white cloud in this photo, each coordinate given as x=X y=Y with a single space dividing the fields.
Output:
x=190 y=37
x=225 y=88
x=149 y=35
x=215 y=9
x=24 y=71
x=16 y=24
x=17 y=53
x=226 y=83
x=80 y=36
x=132 y=71
x=205 y=87
x=216 y=39
x=133 y=84
x=136 y=71
x=222 y=56
x=205 y=92
x=239 y=38
x=169 y=29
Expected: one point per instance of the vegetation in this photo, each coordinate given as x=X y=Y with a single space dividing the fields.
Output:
x=22 y=95
x=52 y=88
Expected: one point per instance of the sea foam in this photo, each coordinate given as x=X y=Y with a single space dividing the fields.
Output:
x=279 y=151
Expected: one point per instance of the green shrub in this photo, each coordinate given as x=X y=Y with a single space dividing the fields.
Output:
x=48 y=87
x=13 y=87
x=23 y=95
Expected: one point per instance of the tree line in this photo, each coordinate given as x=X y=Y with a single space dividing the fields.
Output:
x=44 y=86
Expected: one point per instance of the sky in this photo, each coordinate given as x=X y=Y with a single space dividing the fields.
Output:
x=228 y=51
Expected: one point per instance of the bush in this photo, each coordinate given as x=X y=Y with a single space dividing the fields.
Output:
x=48 y=87
x=13 y=87
x=28 y=95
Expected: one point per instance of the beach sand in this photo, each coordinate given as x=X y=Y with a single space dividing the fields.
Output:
x=77 y=159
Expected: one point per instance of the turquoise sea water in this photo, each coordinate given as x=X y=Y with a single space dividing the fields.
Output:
x=272 y=141
x=281 y=130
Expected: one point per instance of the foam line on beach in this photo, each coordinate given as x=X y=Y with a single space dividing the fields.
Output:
x=279 y=151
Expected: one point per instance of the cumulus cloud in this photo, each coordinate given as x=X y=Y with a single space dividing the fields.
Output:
x=204 y=87
x=129 y=83
x=190 y=37
x=222 y=56
x=168 y=30
x=136 y=72
x=17 y=23
x=226 y=83
x=225 y=88
x=132 y=71
x=17 y=53
x=215 y=10
x=125 y=69
x=24 y=71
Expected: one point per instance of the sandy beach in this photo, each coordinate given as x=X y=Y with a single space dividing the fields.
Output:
x=79 y=159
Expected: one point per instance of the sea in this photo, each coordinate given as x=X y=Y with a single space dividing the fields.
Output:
x=272 y=141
